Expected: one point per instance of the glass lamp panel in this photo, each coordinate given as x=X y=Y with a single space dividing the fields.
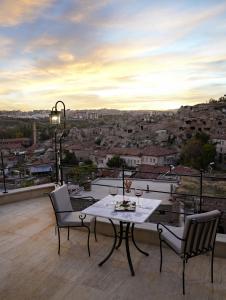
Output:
x=55 y=117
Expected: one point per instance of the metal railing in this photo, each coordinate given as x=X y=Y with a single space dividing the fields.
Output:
x=197 y=196
x=200 y=178
x=18 y=175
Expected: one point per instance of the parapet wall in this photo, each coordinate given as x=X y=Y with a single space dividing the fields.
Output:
x=26 y=193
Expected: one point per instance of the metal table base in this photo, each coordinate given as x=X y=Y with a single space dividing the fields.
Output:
x=124 y=234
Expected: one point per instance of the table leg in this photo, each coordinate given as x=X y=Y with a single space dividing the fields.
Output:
x=120 y=234
x=132 y=234
x=127 y=249
x=113 y=247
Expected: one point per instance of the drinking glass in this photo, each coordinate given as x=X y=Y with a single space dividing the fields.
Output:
x=138 y=193
x=113 y=192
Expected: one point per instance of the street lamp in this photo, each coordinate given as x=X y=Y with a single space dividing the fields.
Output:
x=55 y=119
x=55 y=115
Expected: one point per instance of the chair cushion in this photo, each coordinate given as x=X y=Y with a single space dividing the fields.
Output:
x=61 y=198
x=72 y=219
x=175 y=243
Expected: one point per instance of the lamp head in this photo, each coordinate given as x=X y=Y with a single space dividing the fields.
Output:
x=54 y=117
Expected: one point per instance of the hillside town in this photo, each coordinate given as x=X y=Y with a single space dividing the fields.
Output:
x=139 y=137
x=149 y=145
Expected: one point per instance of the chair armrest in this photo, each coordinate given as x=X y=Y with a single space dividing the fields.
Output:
x=160 y=231
x=80 y=203
x=64 y=211
x=81 y=216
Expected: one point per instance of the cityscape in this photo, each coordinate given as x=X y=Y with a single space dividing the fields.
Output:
x=112 y=150
x=155 y=145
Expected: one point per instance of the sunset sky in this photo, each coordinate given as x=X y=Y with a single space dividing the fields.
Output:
x=124 y=54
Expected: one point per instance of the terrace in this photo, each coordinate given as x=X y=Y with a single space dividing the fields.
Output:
x=32 y=269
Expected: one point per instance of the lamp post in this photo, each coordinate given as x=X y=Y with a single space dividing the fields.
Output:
x=55 y=119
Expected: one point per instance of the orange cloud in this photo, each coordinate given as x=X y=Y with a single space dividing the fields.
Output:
x=15 y=12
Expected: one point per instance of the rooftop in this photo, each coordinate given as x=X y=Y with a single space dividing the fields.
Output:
x=149 y=151
x=31 y=268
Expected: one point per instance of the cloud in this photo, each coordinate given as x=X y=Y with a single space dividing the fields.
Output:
x=44 y=41
x=111 y=53
x=85 y=9
x=6 y=46
x=15 y=12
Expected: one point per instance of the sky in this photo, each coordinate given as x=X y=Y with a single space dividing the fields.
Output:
x=120 y=54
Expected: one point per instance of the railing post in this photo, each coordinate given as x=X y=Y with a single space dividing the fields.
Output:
x=3 y=173
x=61 y=169
x=123 y=179
x=200 y=191
x=56 y=157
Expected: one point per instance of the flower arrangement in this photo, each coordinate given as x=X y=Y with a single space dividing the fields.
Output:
x=127 y=185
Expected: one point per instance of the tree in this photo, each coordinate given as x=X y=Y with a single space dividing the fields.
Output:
x=115 y=162
x=198 y=152
x=202 y=137
x=70 y=158
x=84 y=172
x=98 y=141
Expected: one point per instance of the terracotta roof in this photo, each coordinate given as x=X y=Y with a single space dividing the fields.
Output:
x=109 y=173
x=150 y=172
x=40 y=162
x=153 y=172
x=100 y=153
x=158 y=151
x=185 y=170
x=125 y=151
x=149 y=151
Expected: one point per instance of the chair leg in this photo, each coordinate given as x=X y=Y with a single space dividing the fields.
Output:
x=58 y=231
x=68 y=230
x=160 y=256
x=88 y=238
x=183 y=276
x=212 y=257
x=95 y=226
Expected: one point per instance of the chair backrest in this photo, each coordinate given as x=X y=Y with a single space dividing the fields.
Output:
x=200 y=233
x=60 y=199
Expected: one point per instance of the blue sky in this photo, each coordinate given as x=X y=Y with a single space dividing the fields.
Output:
x=114 y=54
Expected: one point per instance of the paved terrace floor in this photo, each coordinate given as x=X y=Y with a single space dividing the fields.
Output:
x=31 y=269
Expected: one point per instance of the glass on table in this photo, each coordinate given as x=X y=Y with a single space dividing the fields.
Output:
x=113 y=191
x=138 y=191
